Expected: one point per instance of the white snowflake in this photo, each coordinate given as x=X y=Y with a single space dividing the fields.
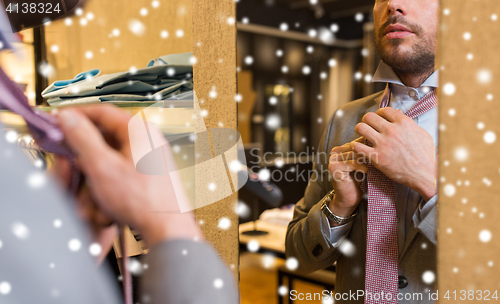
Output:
x=486 y=181
x=347 y=248
x=134 y=266
x=5 y=287
x=273 y=100
x=484 y=76
x=332 y=62
x=273 y=121
x=461 y=154
x=489 y=137
x=264 y=175
x=268 y=260
x=136 y=27
x=74 y=245
x=306 y=70
x=449 y=190
x=292 y=263
x=449 y=88
x=428 y=277
x=485 y=236
x=248 y=60
x=282 y=290
x=218 y=283
x=20 y=230
x=224 y=223
x=11 y=136
x=253 y=246
x=57 y=223
x=95 y=249
x=242 y=209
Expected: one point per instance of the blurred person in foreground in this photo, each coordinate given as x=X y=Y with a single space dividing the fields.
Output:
x=371 y=205
x=46 y=254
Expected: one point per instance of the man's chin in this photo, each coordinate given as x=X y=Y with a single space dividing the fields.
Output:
x=399 y=50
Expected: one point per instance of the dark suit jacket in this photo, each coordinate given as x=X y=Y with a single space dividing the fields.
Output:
x=305 y=239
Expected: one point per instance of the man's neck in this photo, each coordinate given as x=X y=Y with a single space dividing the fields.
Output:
x=414 y=80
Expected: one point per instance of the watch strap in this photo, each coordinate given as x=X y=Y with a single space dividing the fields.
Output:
x=332 y=216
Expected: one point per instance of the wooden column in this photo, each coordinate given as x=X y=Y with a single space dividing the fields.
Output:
x=469 y=162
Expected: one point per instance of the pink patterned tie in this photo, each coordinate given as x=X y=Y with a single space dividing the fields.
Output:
x=381 y=284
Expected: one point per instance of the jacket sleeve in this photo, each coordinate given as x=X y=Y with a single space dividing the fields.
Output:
x=183 y=271
x=308 y=237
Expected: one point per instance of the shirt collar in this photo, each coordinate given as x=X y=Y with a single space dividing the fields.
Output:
x=385 y=73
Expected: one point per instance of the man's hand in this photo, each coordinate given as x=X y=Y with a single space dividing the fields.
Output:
x=99 y=137
x=345 y=169
x=401 y=150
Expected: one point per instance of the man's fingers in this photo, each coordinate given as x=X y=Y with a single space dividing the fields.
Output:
x=84 y=138
x=390 y=114
x=342 y=149
x=112 y=122
x=348 y=166
x=339 y=157
x=367 y=132
x=347 y=147
x=376 y=122
x=108 y=118
x=368 y=153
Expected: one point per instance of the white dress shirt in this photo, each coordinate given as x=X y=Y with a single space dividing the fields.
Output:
x=410 y=206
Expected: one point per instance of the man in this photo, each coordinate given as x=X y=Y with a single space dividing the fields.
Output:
x=46 y=253
x=381 y=230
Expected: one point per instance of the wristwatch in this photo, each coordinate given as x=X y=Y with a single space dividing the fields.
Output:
x=330 y=215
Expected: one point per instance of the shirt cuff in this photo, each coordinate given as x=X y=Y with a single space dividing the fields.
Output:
x=426 y=207
x=334 y=234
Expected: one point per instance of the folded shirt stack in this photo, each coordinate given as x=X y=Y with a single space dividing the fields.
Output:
x=169 y=78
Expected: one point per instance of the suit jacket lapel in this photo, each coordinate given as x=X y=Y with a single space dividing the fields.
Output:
x=408 y=240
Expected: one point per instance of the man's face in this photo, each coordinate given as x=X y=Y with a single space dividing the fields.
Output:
x=406 y=34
